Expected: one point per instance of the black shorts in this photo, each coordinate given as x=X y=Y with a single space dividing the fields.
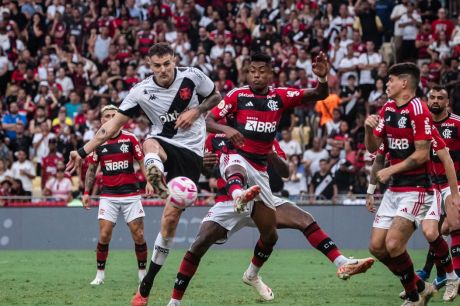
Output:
x=181 y=162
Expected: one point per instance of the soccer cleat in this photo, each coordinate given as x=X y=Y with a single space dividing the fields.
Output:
x=452 y=286
x=173 y=302
x=439 y=282
x=141 y=275
x=156 y=177
x=426 y=294
x=259 y=286
x=356 y=266
x=423 y=274
x=421 y=302
x=139 y=300
x=97 y=281
x=247 y=196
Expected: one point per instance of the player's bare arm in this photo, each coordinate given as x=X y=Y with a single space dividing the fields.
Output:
x=321 y=69
x=187 y=118
x=212 y=126
x=379 y=163
x=371 y=141
x=279 y=164
x=90 y=178
x=210 y=160
x=420 y=156
x=106 y=131
x=448 y=164
x=148 y=186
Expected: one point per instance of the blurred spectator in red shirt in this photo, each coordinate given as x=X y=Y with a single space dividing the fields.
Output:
x=442 y=24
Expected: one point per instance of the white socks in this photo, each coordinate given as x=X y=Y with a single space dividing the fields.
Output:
x=161 y=249
x=153 y=158
x=341 y=260
x=100 y=274
x=452 y=275
x=252 y=271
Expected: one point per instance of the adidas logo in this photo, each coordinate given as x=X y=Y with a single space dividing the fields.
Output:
x=105 y=150
x=404 y=209
x=249 y=104
x=432 y=213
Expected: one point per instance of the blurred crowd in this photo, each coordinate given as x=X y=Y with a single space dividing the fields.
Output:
x=62 y=60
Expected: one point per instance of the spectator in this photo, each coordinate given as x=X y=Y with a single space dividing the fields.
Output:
x=312 y=156
x=17 y=189
x=59 y=187
x=440 y=46
x=50 y=161
x=23 y=170
x=325 y=108
x=296 y=183
x=368 y=23
x=73 y=106
x=409 y=23
x=398 y=11
x=344 y=20
x=5 y=173
x=348 y=66
x=374 y=100
x=288 y=145
x=368 y=64
x=40 y=143
x=422 y=42
x=342 y=169
x=442 y=24
x=323 y=185
x=221 y=47
x=10 y=120
x=349 y=97
x=22 y=140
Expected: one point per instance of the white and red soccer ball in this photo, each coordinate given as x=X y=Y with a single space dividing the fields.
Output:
x=182 y=192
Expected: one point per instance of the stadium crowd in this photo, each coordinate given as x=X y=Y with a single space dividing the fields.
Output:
x=61 y=61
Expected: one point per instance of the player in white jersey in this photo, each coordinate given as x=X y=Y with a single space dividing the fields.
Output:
x=175 y=100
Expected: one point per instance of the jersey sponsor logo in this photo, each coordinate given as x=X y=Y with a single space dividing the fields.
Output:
x=225 y=110
x=402 y=122
x=124 y=148
x=169 y=117
x=292 y=94
x=185 y=93
x=245 y=95
x=150 y=93
x=398 y=143
x=447 y=134
x=427 y=126
x=123 y=140
x=273 y=105
x=117 y=165
x=221 y=104
x=390 y=109
x=379 y=127
x=249 y=104
x=412 y=124
x=405 y=111
x=260 y=126
x=448 y=124
x=138 y=149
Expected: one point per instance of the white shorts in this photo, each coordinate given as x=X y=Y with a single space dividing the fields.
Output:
x=254 y=177
x=131 y=207
x=223 y=214
x=411 y=205
x=435 y=211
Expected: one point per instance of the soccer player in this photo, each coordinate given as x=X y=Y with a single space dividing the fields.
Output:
x=405 y=123
x=175 y=100
x=438 y=246
x=120 y=192
x=257 y=109
x=222 y=221
x=448 y=125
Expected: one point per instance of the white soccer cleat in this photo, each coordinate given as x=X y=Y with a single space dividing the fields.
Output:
x=247 y=196
x=259 y=286
x=97 y=281
x=173 y=302
x=141 y=275
x=451 y=290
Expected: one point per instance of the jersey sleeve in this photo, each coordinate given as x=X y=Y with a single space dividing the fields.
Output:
x=130 y=104
x=204 y=85
x=278 y=150
x=421 y=121
x=380 y=130
x=226 y=106
x=138 y=153
x=437 y=142
x=92 y=158
x=382 y=149
x=290 y=97
x=208 y=147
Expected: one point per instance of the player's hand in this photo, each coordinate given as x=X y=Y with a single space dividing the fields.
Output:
x=321 y=65
x=187 y=118
x=370 y=203
x=383 y=176
x=210 y=159
x=234 y=136
x=455 y=198
x=74 y=162
x=149 y=190
x=371 y=122
x=85 y=202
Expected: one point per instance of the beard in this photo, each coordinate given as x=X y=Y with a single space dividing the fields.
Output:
x=436 y=110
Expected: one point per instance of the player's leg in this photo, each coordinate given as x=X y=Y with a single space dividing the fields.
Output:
x=265 y=219
x=210 y=232
x=453 y=221
x=289 y=215
x=107 y=215
x=155 y=157
x=136 y=228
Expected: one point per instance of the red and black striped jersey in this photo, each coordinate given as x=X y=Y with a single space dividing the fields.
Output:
x=257 y=117
x=217 y=143
x=116 y=157
x=401 y=126
x=449 y=129
x=145 y=40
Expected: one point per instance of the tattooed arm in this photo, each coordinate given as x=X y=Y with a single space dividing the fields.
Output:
x=90 y=179
x=187 y=118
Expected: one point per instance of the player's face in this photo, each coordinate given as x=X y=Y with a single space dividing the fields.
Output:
x=260 y=75
x=107 y=115
x=437 y=101
x=394 y=86
x=163 y=68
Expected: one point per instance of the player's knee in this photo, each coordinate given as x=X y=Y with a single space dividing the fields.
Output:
x=236 y=170
x=270 y=238
x=431 y=233
x=138 y=236
x=394 y=246
x=377 y=249
x=104 y=237
x=305 y=219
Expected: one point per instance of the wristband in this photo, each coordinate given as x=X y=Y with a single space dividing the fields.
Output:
x=322 y=79
x=82 y=152
x=371 y=189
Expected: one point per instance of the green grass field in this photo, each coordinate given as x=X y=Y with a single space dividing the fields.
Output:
x=296 y=277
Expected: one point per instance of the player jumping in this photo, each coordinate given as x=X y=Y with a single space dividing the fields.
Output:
x=405 y=123
x=120 y=192
x=175 y=100
x=222 y=221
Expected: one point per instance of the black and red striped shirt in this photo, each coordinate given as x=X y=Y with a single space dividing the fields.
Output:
x=116 y=157
x=257 y=117
x=401 y=126
x=449 y=129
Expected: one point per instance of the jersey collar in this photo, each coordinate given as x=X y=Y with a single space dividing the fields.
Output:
x=174 y=78
x=443 y=120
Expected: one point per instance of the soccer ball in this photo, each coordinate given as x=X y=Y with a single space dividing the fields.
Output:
x=182 y=192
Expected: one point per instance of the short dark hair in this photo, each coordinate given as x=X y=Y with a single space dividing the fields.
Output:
x=438 y=87
x=406 y=69
x=161 y=49
x=260 y=56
